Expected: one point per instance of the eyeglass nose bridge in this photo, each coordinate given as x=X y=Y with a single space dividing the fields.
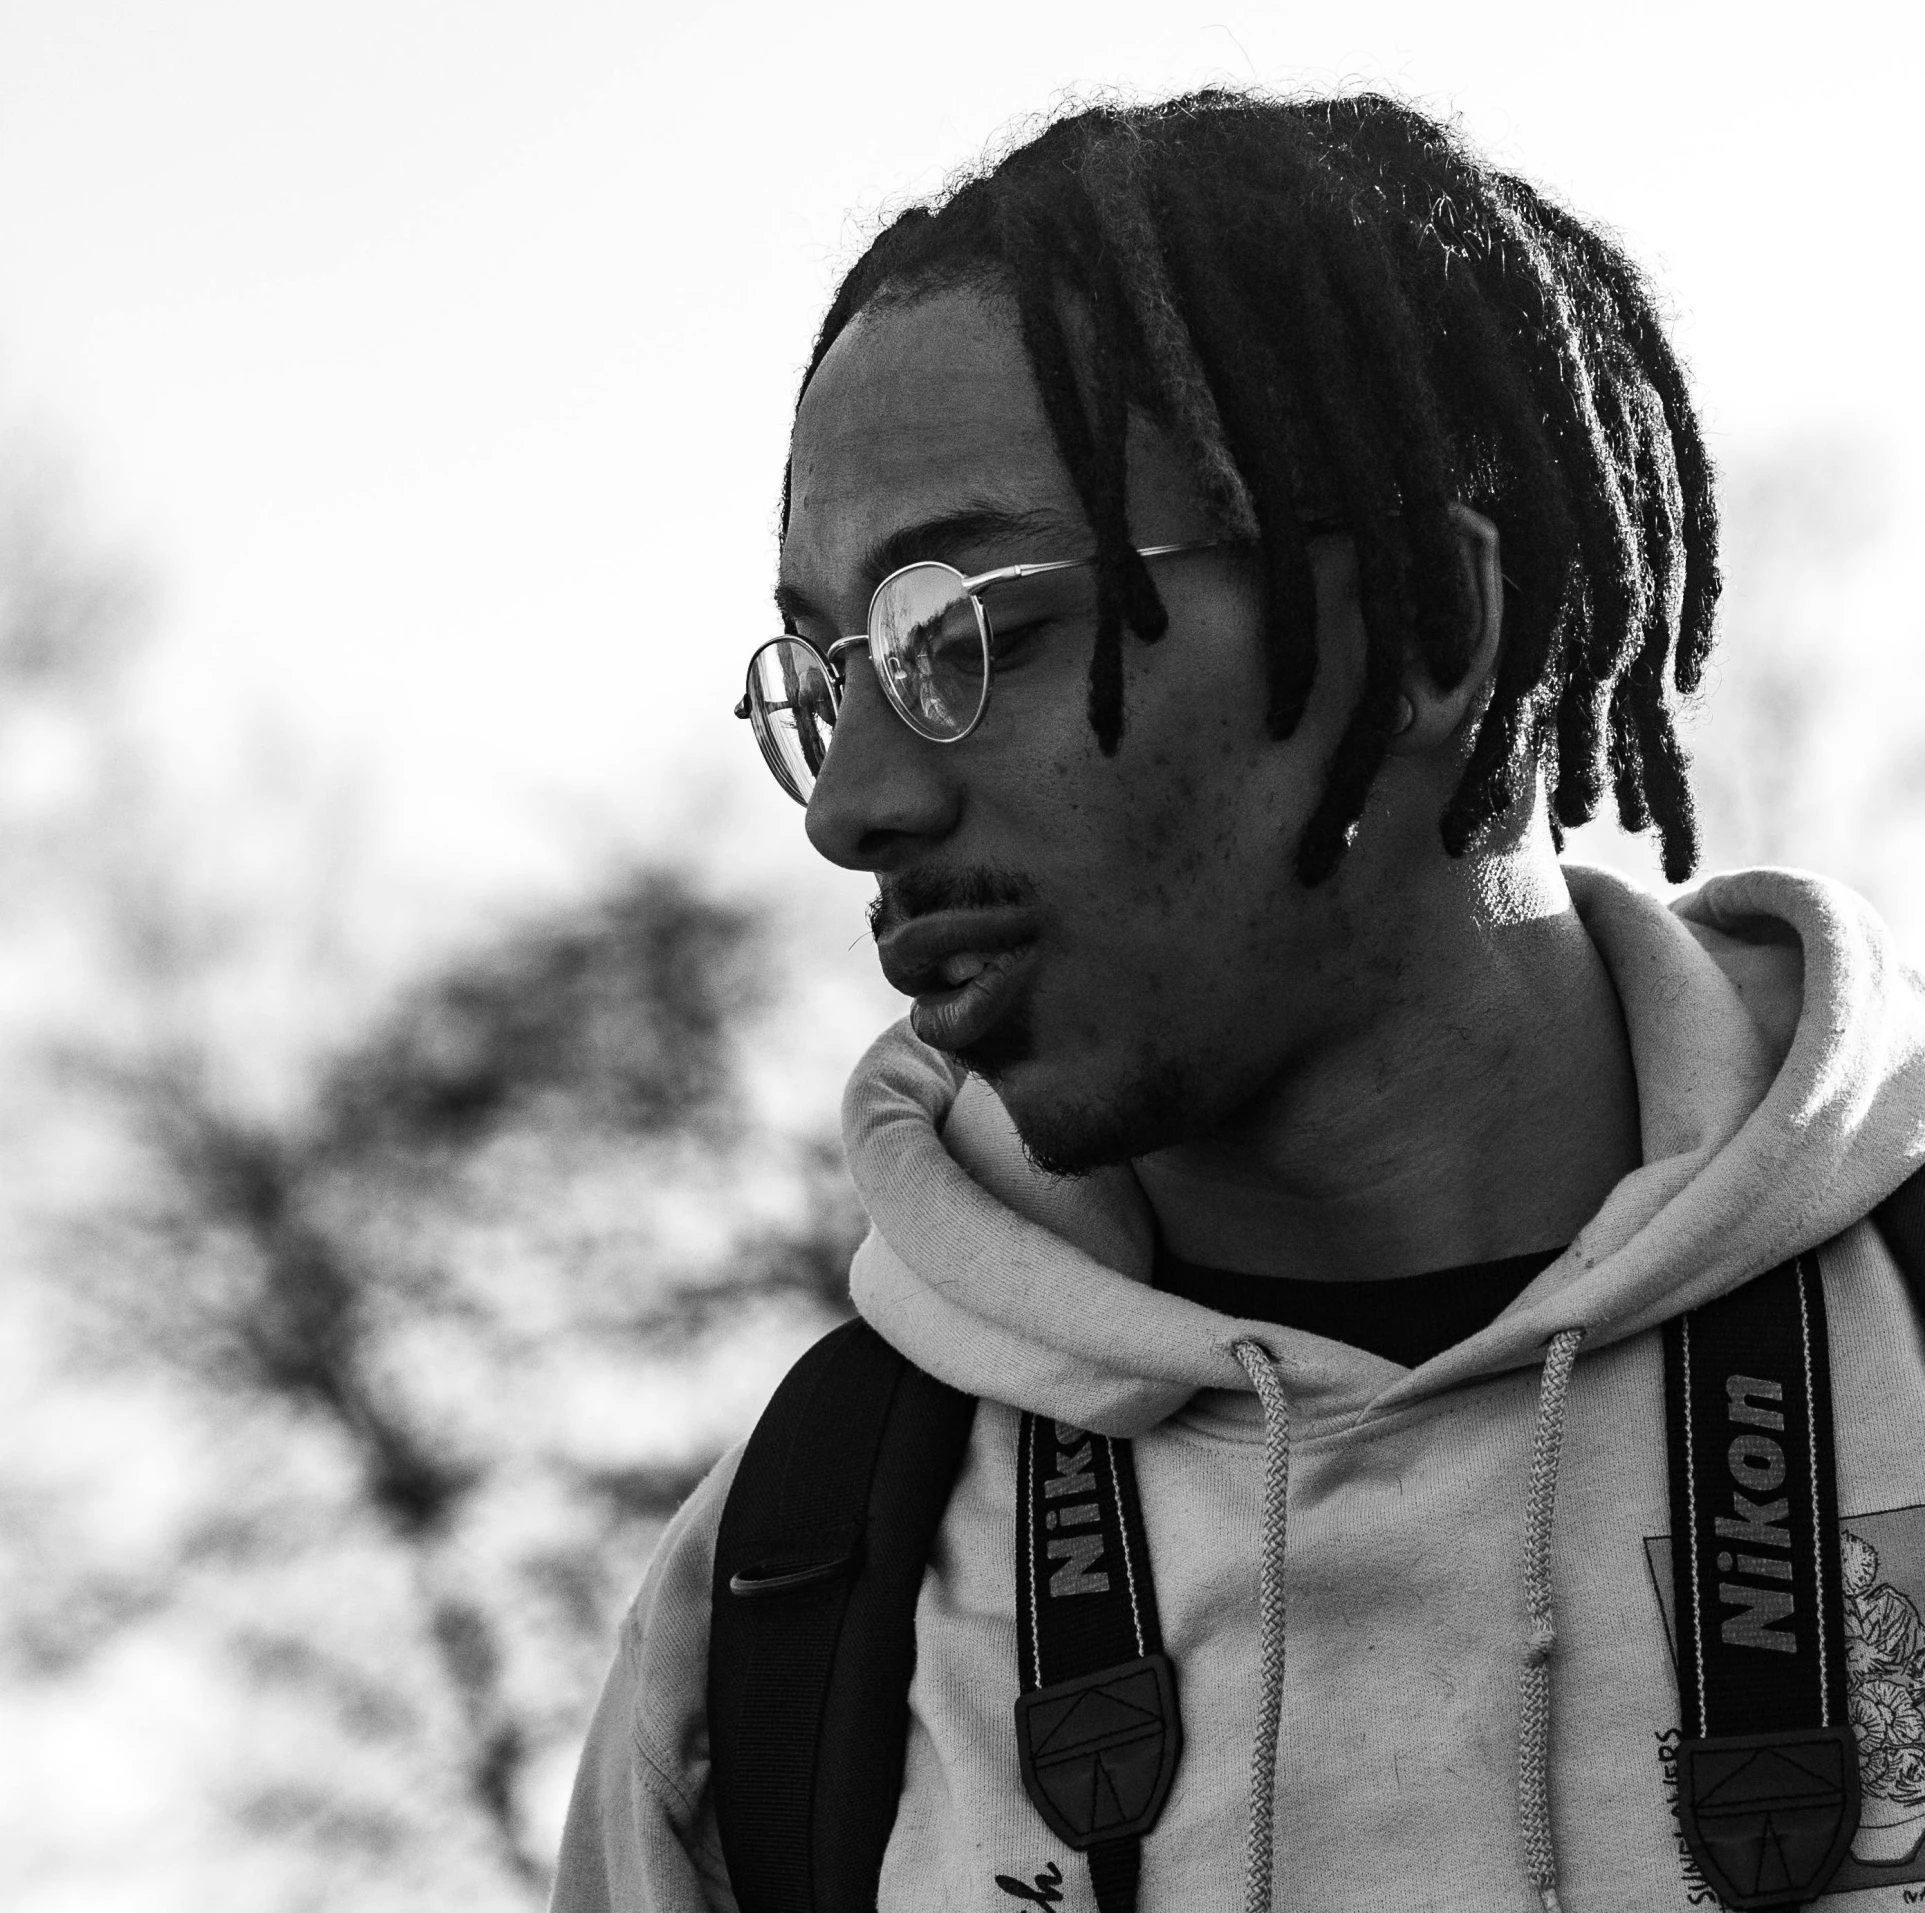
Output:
x=839 y=670
x=833 y=656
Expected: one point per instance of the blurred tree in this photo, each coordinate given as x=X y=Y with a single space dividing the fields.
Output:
x=447 y=1300
x=66 y=616
x=69 y=622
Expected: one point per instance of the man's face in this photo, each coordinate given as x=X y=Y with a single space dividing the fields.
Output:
x=1119 y=943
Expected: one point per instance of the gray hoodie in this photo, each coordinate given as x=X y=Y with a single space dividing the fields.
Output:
x=1397 y=1728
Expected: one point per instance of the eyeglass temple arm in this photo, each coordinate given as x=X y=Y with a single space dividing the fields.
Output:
x=1008 y=574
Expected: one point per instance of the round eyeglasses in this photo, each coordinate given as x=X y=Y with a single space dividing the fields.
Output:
x=932 y=644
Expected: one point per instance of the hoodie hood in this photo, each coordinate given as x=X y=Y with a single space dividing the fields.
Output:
x=1778 y=1042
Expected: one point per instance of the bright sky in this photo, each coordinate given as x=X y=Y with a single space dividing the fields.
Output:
x=438 y=354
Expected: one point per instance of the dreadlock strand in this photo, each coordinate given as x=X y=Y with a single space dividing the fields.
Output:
x=1540 y=547
x=1627 y=782
x=1364 y=283
x=1354 y=765
x=1333 y=397
x=1259 y=424
x=1666 y=773
x=1122 y=579
x=1636 y=315
x=1606 y=527
x=1110 y=177
x=1094 y=463
x=1118 y=342
x=1580 y=748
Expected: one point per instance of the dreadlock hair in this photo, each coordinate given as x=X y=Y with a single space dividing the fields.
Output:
x=1336 y=307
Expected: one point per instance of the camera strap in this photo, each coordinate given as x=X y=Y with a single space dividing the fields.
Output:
x=1097 y=1727
x=1768 y=1767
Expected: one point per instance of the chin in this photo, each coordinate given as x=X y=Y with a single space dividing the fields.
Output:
x=1073 y=1120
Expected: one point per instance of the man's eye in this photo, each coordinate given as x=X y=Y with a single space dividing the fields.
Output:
x=1011 y=646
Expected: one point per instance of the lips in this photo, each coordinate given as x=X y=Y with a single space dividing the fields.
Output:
x=963 y=967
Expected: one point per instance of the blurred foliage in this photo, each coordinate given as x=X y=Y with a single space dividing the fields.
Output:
x=65 y=613
x=624 y=1016
x=425 y=1327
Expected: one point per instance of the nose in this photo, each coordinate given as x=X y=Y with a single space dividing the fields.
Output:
x=884 y=794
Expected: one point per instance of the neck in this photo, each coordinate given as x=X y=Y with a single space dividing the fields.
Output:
x=1484 y=1114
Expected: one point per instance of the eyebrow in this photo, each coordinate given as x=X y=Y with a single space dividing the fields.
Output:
x=942 y=538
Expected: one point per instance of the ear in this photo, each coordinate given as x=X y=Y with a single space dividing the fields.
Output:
x=1435 y=715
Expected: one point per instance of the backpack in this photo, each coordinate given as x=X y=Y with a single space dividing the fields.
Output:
x=819 y=1561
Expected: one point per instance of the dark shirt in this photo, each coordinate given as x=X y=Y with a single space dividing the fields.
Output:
x=1407 y=1319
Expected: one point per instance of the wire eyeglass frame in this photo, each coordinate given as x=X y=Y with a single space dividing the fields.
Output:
x=756 y=707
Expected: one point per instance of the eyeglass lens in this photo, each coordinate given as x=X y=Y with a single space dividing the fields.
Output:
x=794 y=707
x=930 y=646
x=927 y=638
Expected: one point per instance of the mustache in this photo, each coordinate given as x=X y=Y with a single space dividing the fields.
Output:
x=917 y=893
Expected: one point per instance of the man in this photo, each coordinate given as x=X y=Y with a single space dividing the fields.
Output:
x=1266 y=527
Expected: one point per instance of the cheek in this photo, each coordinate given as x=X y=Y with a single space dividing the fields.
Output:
x=1196 y=817
x=1174 y=855
x=1206 y=782
x=1202 y=793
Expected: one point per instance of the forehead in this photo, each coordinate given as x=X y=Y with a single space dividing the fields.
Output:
x=917 y=412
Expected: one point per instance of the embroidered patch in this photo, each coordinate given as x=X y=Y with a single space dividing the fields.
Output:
x=1047 y=1891
x=1883 y=1557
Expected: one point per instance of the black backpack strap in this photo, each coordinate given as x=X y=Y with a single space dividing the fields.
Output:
x=1901 y=1221
x=818 y=1563
x=1768 y=1766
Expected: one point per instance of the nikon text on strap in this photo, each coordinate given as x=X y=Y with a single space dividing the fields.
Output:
x=818 y=1560
x=1768 y=1767
x=1097 y=1727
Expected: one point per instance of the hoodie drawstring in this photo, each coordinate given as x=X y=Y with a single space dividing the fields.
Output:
x=1259 y=1859
x=1534 y=1711
x=1534 y=1708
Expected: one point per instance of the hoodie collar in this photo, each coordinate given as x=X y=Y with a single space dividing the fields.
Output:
x=1779 y=1047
